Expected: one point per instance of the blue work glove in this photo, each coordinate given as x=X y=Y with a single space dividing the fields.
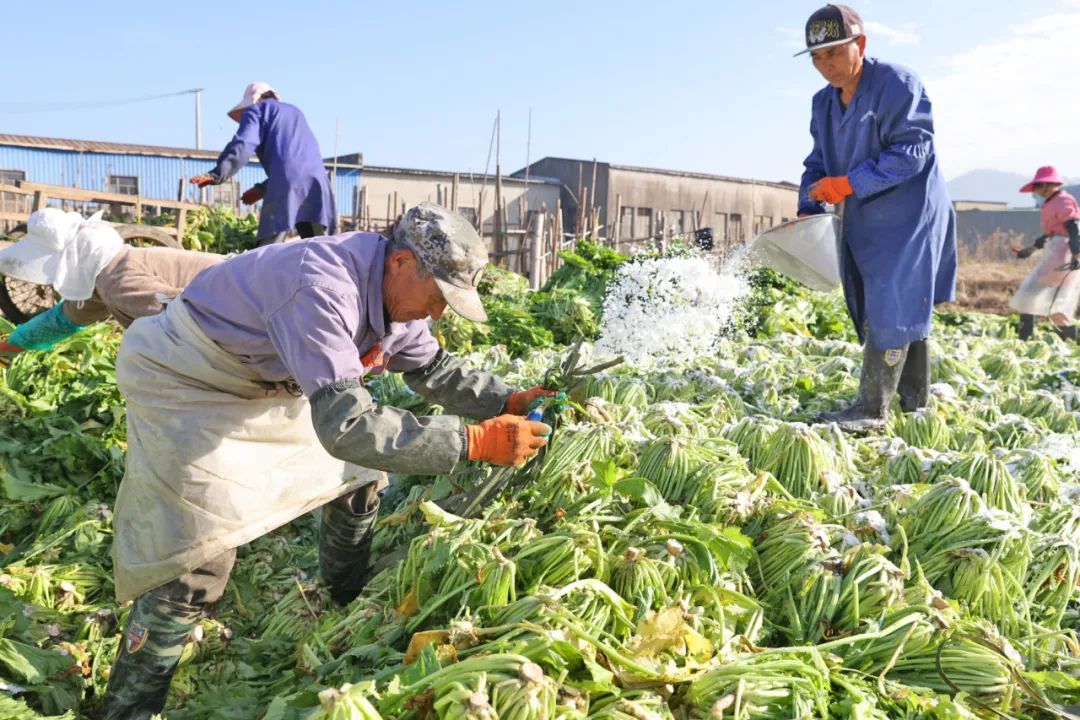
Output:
x=43 y=331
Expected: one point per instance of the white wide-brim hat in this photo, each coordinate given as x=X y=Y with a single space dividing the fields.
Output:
x=252 y=94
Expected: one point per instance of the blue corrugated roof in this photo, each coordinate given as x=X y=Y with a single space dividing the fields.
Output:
x=86 y=164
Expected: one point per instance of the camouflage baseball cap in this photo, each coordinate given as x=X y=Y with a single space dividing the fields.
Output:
x=448 y=247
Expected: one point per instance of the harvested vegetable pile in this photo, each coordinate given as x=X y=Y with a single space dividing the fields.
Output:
x=568 y=307
x=220 y=230
x=689 y=547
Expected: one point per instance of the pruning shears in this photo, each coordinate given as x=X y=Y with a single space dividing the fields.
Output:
x=569 y=375
x=565 y=378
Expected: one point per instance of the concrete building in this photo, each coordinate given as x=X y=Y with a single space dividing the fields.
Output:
x=960 y=205
x=387 y=191
x=636 y=203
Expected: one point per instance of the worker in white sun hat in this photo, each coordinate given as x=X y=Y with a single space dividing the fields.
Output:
x=95 y=274
x=296 y=193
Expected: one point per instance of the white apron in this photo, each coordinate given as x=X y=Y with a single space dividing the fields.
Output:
x=215 y=456
x=1047 y=290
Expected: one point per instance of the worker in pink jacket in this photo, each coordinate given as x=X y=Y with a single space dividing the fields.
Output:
x=1053 y=287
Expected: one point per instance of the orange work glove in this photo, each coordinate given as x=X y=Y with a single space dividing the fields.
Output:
x=518 y=403
x=506 y=440
x=202 y=180
x=8 y=351
x=831 y=189
x=252 y=195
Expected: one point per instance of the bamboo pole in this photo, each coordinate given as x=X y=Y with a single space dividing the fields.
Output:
x=592 y=187
x=536 y=238
x=579 y=216
x=498 y=240
x=617 y=224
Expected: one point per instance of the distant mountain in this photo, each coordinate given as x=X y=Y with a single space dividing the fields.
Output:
x=991 y=186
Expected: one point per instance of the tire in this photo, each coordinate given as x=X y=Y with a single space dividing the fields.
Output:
x=20 y=301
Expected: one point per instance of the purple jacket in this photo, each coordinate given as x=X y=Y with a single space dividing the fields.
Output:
x=297 y=188
x=311 y=310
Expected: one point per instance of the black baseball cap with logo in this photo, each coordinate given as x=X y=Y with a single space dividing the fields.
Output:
x=831 y=25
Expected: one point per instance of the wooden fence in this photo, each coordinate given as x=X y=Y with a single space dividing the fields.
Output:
x=19 y=200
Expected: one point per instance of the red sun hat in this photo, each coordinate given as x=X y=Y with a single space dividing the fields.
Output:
x=1045 y=174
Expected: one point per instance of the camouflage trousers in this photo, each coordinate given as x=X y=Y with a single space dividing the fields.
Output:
x=161 y=620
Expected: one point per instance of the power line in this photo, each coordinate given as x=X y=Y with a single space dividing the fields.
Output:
x=21 y=108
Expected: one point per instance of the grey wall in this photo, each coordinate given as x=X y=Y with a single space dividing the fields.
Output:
x=703 y=202
x=974 y=227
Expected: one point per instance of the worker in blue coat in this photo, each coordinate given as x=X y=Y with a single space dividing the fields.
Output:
x=874 y=157
x=296 y=193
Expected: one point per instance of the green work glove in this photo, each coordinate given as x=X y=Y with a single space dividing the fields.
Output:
x=43 y=331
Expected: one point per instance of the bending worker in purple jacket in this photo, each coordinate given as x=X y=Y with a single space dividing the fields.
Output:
x=874 y=157
x=296 y=193
x=246 y=408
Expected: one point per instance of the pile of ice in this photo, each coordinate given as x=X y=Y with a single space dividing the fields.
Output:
x=667 y=311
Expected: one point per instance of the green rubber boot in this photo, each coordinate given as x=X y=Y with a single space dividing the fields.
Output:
x=881 y=373
x=345 y=533
x=914 y=387
x=1026 y=328
x=156 y=632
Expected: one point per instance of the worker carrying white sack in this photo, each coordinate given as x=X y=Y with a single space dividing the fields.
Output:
x=246 y=408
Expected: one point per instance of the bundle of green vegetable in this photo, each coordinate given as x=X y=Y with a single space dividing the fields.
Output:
x=220 y=230
x=691 y=546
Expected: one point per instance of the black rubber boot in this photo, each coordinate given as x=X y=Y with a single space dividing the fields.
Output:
x=914 y=388
x=880 y=377
x=154 y=637
x=1026 y=328
x=345 y=533
x=1067 y=333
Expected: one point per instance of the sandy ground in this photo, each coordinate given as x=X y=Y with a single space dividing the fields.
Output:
x=987 y=286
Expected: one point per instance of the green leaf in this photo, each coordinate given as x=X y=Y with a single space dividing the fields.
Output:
x=31 y=664
x=605 y=474
x=16 y=487
x=1054 y=679
x=644 y=493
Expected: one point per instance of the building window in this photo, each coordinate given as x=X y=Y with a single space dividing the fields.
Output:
x=123 y=184
x=626 y=224
x=735 y=228
x=676 y=219
x=762 y=223
x=643 y=227
x=224 y=194
x=10 y=177
x=720 y=227
x=784 y=220
x=469 y=213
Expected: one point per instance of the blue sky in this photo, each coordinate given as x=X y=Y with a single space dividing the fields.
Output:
x=705 y=86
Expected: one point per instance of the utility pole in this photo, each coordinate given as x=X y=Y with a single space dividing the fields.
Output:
x=528 y=147
x=337 y=134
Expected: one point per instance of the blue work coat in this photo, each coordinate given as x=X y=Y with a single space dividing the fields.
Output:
x=297 y=188
x=898 y=254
